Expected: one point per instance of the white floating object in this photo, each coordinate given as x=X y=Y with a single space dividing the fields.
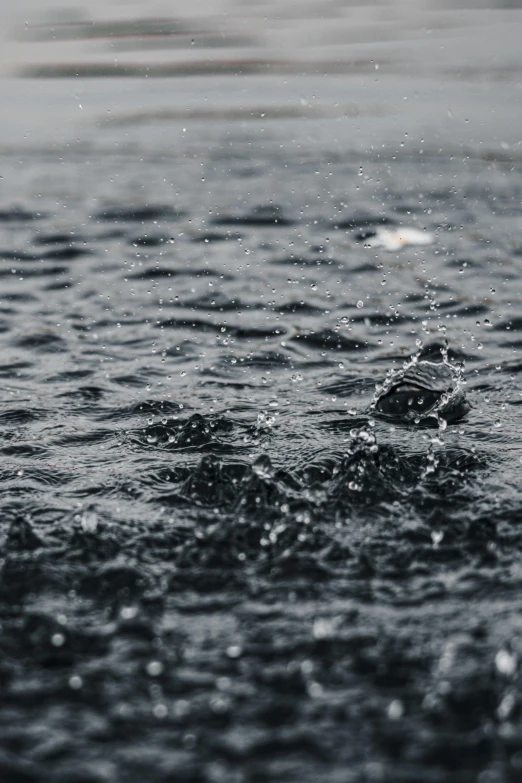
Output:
x=395 y=239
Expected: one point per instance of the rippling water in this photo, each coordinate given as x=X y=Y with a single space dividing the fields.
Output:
x=217 y=564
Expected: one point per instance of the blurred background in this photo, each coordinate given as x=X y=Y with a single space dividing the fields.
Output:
x=442 y=71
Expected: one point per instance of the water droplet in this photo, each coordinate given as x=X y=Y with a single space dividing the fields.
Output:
x=506 y=663
x=57 y=639
x=154 y=668
x=160 y=711
x=324 y=627
x=395 y=709
x=129 y=612
x=436 y=537
x=506 y=706
x=315 y=690
x=262 y=467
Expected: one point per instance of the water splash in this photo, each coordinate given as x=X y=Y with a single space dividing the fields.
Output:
x=423 y=390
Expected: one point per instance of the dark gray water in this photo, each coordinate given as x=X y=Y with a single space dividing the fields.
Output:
x=216 y=565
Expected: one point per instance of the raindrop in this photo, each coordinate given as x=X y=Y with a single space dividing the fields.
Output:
x=436 y=537
x=160 y=711
x=57 y=639
x=505 y=663
x=154 y=668
x=395 y=709
x=129 y=612
x=262 y=467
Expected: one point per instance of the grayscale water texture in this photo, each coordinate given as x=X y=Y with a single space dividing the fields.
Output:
x=217 y=563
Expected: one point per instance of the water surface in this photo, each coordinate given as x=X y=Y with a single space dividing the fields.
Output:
x=217 y=564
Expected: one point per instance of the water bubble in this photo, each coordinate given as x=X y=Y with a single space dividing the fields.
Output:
x=360 y=304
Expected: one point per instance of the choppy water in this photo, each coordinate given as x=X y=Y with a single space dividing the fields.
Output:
x=216 y=565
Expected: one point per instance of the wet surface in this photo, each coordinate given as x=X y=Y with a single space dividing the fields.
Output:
x=218 y=562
